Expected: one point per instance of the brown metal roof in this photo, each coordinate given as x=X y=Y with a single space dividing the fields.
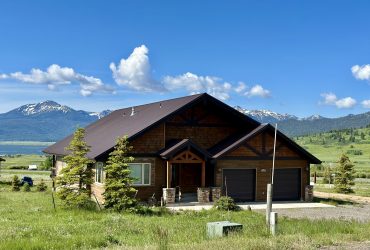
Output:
x=220 y=150
x=102 y=134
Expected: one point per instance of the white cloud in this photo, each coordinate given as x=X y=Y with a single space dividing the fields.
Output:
x=56 y=76
x=366 y=104
x=194 y=84
x=347 y=102
x=258 y=91
x=332 y=99
x=361 y=72
x=240 y=88
x=329 y=98
x=135 y=72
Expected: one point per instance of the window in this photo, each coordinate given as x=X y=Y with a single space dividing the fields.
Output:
x=141 y=173
x=99 y=168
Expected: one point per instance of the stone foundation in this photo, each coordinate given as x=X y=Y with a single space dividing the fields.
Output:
x=169 y=195
x=308 y=193
x=216 y=193
x=203 y=194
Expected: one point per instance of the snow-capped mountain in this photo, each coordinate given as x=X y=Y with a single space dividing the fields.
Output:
x=52 y=107
x=44 y=121
x=265 y=116
x=42 y=107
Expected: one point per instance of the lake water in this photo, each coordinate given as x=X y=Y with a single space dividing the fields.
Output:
x=21 y=149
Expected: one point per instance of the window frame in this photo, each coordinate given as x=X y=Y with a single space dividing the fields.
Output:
x=143 y=173
x=99 y=165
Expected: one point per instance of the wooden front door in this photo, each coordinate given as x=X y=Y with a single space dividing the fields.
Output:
x=190 y=177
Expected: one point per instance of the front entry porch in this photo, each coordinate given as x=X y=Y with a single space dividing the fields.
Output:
x=186 y=173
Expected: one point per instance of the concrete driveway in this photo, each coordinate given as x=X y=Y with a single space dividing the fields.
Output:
x=195 y=206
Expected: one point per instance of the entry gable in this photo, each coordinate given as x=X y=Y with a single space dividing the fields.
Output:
x=259 y=144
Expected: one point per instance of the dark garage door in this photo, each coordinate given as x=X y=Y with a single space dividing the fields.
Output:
x=287 y=184
x=240 y=183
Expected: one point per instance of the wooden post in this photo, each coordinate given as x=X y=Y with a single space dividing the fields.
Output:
x=169 y=174
x=203 y=174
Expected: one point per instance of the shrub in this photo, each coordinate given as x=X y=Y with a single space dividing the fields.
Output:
x=26 y=187
x=226 y=203
x=16 y=184
x=41 y=187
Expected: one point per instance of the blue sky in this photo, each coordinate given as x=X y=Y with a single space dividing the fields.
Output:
x=297 y=57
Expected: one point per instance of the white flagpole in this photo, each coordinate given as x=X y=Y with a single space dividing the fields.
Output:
x=271 y=185
x=273 y=157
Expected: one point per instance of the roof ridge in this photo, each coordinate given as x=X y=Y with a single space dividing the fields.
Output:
x=165 y=100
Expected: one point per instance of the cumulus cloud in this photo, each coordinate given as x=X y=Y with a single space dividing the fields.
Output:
x=361 y=72
x=195 y=84
x=56 y=76
x=366 y=104
x=240 y=88
x=135 y=72
x=332 y=99
x=258 y=91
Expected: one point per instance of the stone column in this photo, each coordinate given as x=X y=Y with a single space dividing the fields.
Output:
x=203 y=194
x=169 y=195
x=308 y=194
x=216 y=193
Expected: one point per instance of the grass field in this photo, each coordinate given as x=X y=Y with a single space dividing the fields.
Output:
x=329 y=146
x=362 y=187
x=22 y=161
x=28 y=221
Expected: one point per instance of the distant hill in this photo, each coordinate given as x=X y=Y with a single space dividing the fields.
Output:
x=293 y=126
x=51 y=121
x=45 y=121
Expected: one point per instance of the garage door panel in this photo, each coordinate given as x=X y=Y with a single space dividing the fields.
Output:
x=240 y=183
x=287 y=184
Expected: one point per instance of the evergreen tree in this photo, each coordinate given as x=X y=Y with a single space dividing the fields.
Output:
x=76 y=178
x=16 y=184
x=119 y=193
x=344 y=176
x=26 y=187
x=41 y=187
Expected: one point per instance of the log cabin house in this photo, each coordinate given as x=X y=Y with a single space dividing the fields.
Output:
x=196 y=144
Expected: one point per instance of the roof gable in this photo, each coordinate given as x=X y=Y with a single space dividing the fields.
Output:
x=293 y=146
x=133 y=121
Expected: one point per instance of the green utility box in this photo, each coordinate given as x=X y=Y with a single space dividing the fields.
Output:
x=222 y=228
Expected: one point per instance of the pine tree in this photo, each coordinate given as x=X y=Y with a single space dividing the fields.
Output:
x=26 y=187
x=76 y=178
x=16 y=184
x=119 y=193
x=344 y=176
x=41 y=187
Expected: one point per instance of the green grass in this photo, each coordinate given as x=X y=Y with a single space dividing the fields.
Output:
x=361 y=188
x=22 y=161
x=329 y=146
x=28 y=221
x=7 y=175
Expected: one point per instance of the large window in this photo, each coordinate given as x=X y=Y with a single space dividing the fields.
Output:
x=99 y=172
x=141 y=173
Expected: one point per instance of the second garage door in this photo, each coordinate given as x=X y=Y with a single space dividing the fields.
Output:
x=240 y=183
x=287 y=184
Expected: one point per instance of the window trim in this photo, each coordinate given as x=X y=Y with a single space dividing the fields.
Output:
x=100 y=165
x=143 y=173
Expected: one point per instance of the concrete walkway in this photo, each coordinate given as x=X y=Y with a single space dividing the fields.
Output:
x=195 y=206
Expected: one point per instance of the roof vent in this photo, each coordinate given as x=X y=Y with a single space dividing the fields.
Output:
x=132 y=111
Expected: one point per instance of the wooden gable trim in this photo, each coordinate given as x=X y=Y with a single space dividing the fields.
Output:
x=186 y=157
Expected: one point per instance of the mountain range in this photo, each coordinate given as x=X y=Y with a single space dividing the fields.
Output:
x=51 y=121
